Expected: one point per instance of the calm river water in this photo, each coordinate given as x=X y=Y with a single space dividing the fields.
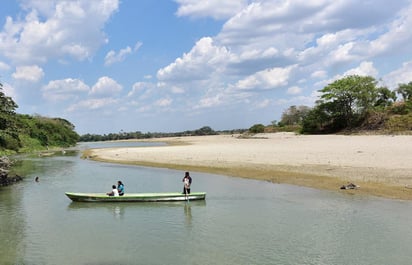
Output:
x=241 y=222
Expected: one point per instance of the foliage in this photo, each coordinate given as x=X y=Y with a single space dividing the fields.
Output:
x=48 y=131
x=345 y=104
x=8 y=136
x=7 y=109
x=399 y=123
x=385 y=98
x=356 y=103
x=401 y=108
x=20 y=132
x=405 y=90
x=257 y=128
x=294 y=115
x=206 y=130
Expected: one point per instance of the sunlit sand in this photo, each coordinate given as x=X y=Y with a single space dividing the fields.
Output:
x=380 y=165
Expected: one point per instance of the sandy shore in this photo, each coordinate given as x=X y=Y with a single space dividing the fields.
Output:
x=380 y=165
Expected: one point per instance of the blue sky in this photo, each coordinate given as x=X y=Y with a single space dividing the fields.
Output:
x=169 y=66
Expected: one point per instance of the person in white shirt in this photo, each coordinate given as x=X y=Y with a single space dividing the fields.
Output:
x=114 y=191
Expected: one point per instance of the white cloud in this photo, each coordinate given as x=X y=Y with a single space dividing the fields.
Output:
x=92 y=104
x=4 y=66
x=138 y=88
x=56 y=29
x=401 y=75
x=113 y=57
x=32 y=73
x=204 y=59
x=294 y=90
x=9 y=91
x=105 y=86
x=163 y=102
x=364 y=69
x=319 y=74
x=263 y=104
x=58 y=90
x=267 y=79
x=208 y=102
x=212 y=8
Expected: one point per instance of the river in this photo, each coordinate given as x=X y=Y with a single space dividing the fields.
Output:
x=241 y=222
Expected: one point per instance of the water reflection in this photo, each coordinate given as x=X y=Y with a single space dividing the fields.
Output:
x=11 y=224
x=188 y=213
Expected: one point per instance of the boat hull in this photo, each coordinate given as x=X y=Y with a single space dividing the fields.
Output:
x=136 y=197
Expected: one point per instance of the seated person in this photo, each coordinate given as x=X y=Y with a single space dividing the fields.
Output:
x=120 y=188
x=114 y=191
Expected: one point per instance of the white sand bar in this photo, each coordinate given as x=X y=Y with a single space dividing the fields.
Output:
x=377 y=158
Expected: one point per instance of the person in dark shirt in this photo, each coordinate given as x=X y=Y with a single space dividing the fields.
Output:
x=187 y=180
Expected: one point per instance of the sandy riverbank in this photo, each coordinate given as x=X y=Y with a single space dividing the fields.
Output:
x=380 y=165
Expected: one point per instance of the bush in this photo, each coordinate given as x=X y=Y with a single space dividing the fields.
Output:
x=257 y=128
x=399 y=123
x=401 y=108
x=10 y=142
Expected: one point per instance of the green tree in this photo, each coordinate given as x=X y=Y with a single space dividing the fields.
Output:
x=206 y=130
x=294 y=115
x=385 y=98
x=405 y=90
x=9 y=138
x=257 y=128
x=350 y=97
x=345 y=103
x=7 y=110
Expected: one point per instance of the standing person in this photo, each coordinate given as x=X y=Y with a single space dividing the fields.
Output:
x=120 y=188
x=187 y=180
x=114 y=191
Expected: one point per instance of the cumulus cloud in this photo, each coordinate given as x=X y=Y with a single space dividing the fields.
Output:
x=401 y=75
x=58 y=90
x=365 y=68
x=105 y=86
x=267 y=45
x=32 y=73
x=113 y=57
x=267 y=79
x=56 y=29
x=202 y=60
x=92 y=104
x=212 y=8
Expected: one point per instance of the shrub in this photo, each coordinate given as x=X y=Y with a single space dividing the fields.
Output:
x=257 y=128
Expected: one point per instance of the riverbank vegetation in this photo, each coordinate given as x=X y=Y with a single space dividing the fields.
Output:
x=206 y=130
x=27 y=133
x=353 y=104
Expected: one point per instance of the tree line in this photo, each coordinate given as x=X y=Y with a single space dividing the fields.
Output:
x=21 y=132
x=350 y=104
x=354 y=103
x=205 y=130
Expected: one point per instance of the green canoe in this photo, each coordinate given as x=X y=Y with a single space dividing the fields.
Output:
x=136 y=197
